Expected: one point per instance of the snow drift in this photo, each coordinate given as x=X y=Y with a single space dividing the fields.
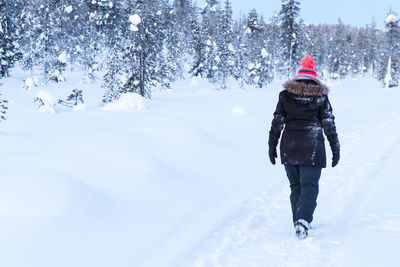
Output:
x=127 y=102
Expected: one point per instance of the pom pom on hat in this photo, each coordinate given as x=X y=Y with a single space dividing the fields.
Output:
x=307 y=63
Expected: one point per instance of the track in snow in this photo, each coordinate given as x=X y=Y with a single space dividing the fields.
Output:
x=261 y=234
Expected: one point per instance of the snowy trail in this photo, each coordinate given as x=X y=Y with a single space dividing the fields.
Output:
x=187 y=182
x=261 y=233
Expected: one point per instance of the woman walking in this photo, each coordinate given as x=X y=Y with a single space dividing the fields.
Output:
x=303 y=111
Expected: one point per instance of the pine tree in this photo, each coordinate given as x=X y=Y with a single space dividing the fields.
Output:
x=393 y=40
x=8 y=36
x=338 y=66
x=173 y=37
x=225 y=48
x=198 y=45
x=251 y=46
x=289 y=34
x=175 y=43
x=210 y=32
x=353 y=58
x=143 y=54
x=48 y=46
x=72 y=21
x=169 y=65
x=73 y=100
x=363 y=61
x=90 y=38
x=257 y=60
x=29 y=35
x=273 y=43
x=373 y=48
x=239 y=33
x=182 y=10
x=321 y=45
x=113 y=80
x=114 y=22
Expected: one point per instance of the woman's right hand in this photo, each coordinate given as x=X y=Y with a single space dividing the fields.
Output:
x=335 y=158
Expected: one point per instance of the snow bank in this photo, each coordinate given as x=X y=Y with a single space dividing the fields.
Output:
x=45 y=193
x=127 y=102
x=29 y=84
x=187 y=182
x=79 y=107
x=47 y=102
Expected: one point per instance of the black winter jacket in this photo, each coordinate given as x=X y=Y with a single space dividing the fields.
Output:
x=304 y=110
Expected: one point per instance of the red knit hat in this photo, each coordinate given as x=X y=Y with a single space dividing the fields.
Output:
x=307 y=66
x=307 y=70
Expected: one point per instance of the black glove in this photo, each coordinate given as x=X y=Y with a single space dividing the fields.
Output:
x=272 y=154
x=335 y=158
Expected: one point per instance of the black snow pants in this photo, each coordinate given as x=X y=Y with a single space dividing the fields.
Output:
x=304 y=186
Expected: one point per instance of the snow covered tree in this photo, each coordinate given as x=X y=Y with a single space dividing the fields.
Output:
x=339 y=55
x=72 y=21
x=90 y=37
x=239 y=33
x=362 y=49
x=47 y=44
x=289 y=34
x=393 y=50
x=113 y=80
x=265 y=69
x=251 y=47
x=176 y=42
x=181 y=27
x=209 y=32
x=169 y=65
x=113 y=22
x=183 y=12
x=315 y=43
x=143 y=53
x=165 y=38
x=372 y=54
x=8 y=37
x=257 y=60
x=273 y=42
x=29 y=35
x=198 y=45
x=225 y=48
x=74 y=99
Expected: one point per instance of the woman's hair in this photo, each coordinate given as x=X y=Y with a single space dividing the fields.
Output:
x=307 y=81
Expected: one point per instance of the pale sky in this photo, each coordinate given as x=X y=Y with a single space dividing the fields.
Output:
x=354 y=12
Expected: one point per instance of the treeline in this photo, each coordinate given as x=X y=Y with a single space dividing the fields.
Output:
x=141 y=44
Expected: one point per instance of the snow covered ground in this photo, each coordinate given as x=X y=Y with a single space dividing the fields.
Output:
x=184 y=180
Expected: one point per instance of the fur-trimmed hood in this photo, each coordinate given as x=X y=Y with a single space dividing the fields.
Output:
x=300 y=88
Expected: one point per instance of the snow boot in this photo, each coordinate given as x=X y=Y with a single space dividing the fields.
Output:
x=302 y=228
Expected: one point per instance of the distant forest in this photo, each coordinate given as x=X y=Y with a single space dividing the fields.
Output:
x=137 y=45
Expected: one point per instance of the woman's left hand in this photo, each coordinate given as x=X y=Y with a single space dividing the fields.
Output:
x=272 y=154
